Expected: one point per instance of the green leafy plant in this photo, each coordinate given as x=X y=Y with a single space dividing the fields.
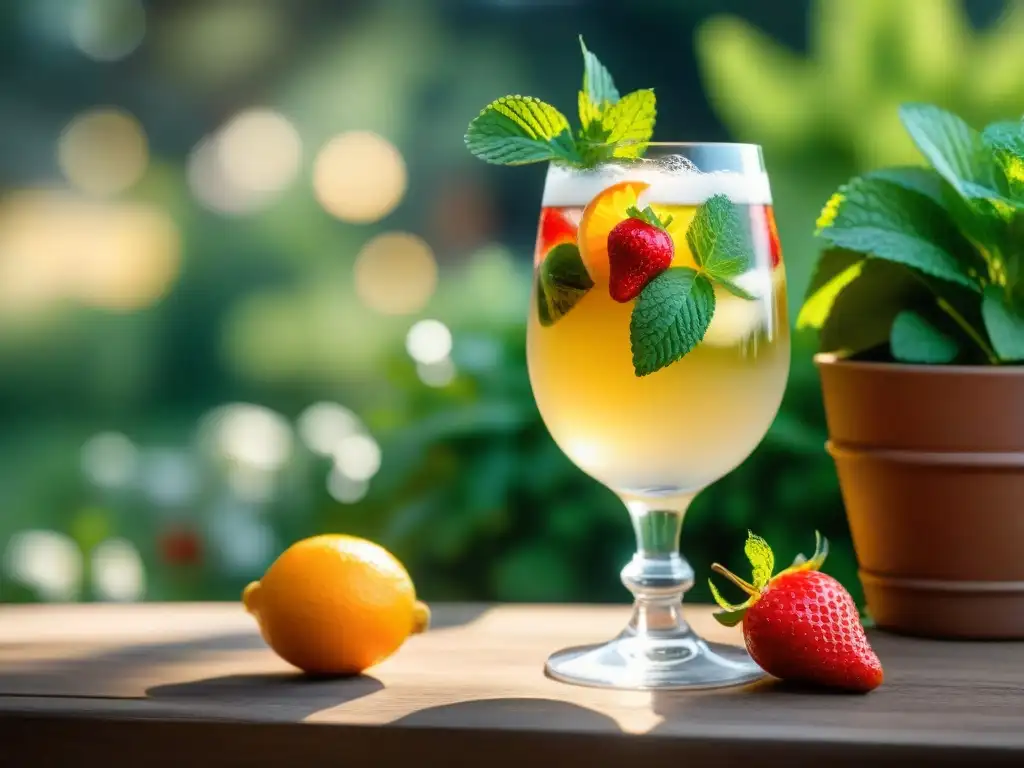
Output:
x=516 y=130
x=923 y=264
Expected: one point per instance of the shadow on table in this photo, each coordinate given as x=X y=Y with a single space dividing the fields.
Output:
x=156 y=671
x=512 y=713
x=101 y=673
x=284 y=696
x=766 y=702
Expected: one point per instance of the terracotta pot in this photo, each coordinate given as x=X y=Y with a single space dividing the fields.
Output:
x=931 y=466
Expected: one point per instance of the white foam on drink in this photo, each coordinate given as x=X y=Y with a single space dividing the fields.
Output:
x=670 y=183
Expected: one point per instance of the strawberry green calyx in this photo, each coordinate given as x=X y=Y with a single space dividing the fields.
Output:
x=649 y=216
x=762 y=560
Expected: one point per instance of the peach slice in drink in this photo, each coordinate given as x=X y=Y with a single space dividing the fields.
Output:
x=599 y=218
x=609 y=208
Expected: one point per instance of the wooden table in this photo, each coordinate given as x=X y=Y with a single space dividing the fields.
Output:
x=194 y=686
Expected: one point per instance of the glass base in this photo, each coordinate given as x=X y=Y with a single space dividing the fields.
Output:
x=668 y=661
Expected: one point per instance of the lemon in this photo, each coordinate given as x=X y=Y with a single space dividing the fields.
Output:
x=335 y=604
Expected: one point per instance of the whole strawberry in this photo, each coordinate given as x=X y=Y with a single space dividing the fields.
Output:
x=802 y=624
x=639 y=249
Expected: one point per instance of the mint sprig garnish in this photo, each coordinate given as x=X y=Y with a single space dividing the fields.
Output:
x=599 y=91
x=674 y=310
x=516 y=130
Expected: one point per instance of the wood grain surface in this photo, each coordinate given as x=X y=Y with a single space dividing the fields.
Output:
x=194 y=685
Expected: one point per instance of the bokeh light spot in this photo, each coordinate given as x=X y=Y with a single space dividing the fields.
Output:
x=247 y=164
x=395 y=273
x=46 y=561
x=260 y=151
x=429 y=341
x=117 y=256
x=357 y=457
x=344 y=489
x=169 y=477
x=103 y=152
x=118 y=573
x=359 y=177
x=107 y=30
x=109 y=459
x=323 y=425
x=440 y=373
x=250 y=435
x=244 y=543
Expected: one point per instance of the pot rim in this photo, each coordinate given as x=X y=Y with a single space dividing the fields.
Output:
x=822 y=359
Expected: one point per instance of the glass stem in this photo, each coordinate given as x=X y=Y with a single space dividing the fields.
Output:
x=657 y=575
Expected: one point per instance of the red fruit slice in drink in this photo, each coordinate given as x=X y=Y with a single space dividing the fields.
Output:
x=555 y=229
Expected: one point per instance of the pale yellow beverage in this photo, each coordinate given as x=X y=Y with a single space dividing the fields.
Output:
x=677 y=430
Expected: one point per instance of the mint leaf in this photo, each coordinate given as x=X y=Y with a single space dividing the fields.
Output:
x=978 y=220
x=599 y=91
x=881 y=219
x=515 y=130
x=543 y=306
x=761 y=558
x=1005 y=137
x=914 y=340
x=954 y=149
x=563 y=280
x=670 y=317
x=718 y=240
x=836 y=269
x=629 y=123
x=924 y=181
x=590 y=119
x=862 y=314
x=649 y=216
x=1004 y=323
x=1007 y=142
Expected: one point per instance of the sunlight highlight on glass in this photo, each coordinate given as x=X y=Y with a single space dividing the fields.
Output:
x=103 y=151
x=118 y=573
x=396 y=273
x=359 y=177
